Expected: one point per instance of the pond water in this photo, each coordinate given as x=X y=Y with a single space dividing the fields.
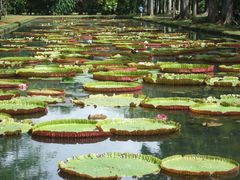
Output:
x=27 y=158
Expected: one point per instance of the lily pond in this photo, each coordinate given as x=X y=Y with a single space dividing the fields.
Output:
x=122 y=89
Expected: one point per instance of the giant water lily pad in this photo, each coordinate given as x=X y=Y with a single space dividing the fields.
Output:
x=112 y=86
x=12 y=83
x=8 y=95
x=177 y=79
x=46 y=71
x=215 y=109
x=120 y=75
x=18 y=106
x=232 y=68
x=68 y=128
x=173 y=67
x=111 y=165
x=5 y=118
x=13 y=128
x=138 y=126
x=110 y=101
x=199 y=165
x=224 y=81
x=46 y=92
x=40 y=99
x=174 y=103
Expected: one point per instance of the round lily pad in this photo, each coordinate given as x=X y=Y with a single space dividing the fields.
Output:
x=112 y=86
x=172 y=103
x=185 y=68
x=12 y=83
x=232 y=68
x=13 y=128
x=68 y=128
x=199 y=165
x=19 y=106
x=215 y=109
x=46 y=92
x=111 y=165
x=229 y=81
x=119 y=75
x=138 y=126
x=5 y=118
x=8 y=95
x=110 y=101
x=46 y=71
x=177 y=79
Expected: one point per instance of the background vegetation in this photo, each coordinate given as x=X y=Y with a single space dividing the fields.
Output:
x=224 y=11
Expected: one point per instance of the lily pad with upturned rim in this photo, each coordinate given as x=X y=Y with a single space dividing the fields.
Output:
x=75 y=128
x=46 y=92
x=215 y=109
x=138 y=127
x=110 y=101
x=13 y=128
x=111 y=165
x=107 y=86
x=120 y=76
x=172 y=103
x=199 y=165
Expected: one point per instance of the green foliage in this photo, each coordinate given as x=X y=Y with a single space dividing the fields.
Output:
x=17 y=6
x=63 y=7
x=108 y=6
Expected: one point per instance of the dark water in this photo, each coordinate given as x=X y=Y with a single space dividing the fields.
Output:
x=27 y=158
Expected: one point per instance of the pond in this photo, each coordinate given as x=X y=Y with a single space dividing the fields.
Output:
x=27 y=157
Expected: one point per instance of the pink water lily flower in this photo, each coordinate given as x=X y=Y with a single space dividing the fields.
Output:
x=162 y=117
x=23 y=87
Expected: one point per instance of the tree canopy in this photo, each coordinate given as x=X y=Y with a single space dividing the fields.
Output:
x=226 y=11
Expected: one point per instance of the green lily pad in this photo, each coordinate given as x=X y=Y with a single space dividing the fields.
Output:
x=11 y=83
x=232 y=68
x=199 y=165
x=177 y=79
x=22 y=106
x=230 y=81
x=111 y=165
x=13 y=128
x=108 y=86
x=120 y=75
x=68 y=128
x=215 y=109
x=138 y=126
x=174 y=103
x=172 y=67
x=47 y=71
x=46 y=92
x=5 y=118
x=110 y=101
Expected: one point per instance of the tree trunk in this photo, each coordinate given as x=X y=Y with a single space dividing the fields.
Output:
x=156 y=10
x=169 y=6
x=165 y=6
x=194 y=7
x=151 y=7
x=184 y=9
x=229 y=19
x=212 y=10
x=174 y=8
x=179 y=6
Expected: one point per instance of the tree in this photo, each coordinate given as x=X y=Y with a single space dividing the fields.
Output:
x=194 y=7
x=108 y=6
x=63 y=7
x=213 y=10
x=184 y=9
x=228 y=12
x=151 y=7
